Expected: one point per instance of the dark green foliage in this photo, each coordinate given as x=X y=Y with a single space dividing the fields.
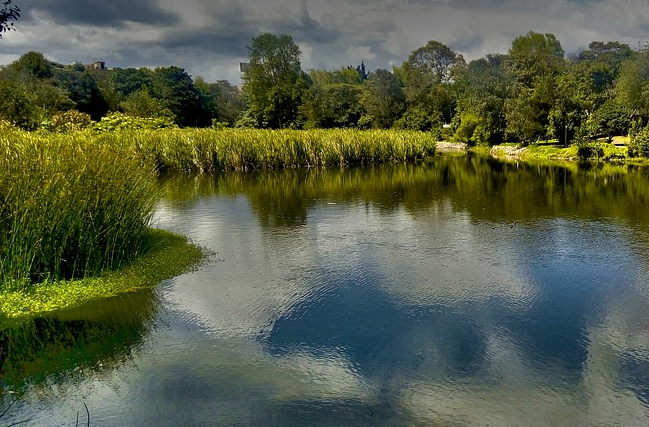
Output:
x=34 y=64
x=224 y=102
x=483 y=86
x=604 y=61
x=417 y=118
x=383 y=99
x=274 y=81
x=632 y=86
x=335 y=105
x=28 y=101
x=610 y=119
x=175 y=89
x=141 y=104
x=639 y=146
x=428 y=76
x=81 y=87
x=125 y=81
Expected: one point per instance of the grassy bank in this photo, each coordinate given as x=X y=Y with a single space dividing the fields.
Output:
x=71 y=210
x=167 y=255
x=75 y=208
x=596 y=151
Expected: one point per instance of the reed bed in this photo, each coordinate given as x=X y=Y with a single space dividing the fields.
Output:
x=70 y=207
x=75 y=205
x=206 y=150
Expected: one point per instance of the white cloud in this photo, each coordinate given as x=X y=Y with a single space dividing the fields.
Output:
x=360 y=52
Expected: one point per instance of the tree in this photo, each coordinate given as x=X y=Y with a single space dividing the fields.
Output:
x=224 y=102
x=175 y=88
x=142 y=104
x=534 y=56
x=632 y=86
x=81 y=86
x=28 y=101
x=571 y=105
x=8 y=13
x=274 y=82
x=333 y=99
x=428 y=75
x=610 y=119
x=483 y=86
x=34 y=64
x=536 y=60
x=383 y=99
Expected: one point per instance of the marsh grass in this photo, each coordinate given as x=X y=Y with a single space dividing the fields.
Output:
x=69 y=207
x=166 y=255
x=208 y=150
x=76 y=205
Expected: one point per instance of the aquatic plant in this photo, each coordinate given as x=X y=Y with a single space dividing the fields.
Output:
x=70 y=207
x=204 y=150
x=76 y=204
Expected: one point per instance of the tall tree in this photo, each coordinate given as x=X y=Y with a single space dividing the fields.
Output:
x=536 y=60
x=81 y=86
x=383 y=99
x=175 y=88
x=632 y=86
x=224 y=101
x=483 y=86
x=535 y=56
x=428 y=75
x=274 y=81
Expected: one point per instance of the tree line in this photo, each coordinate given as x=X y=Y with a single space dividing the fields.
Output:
x=533 y=92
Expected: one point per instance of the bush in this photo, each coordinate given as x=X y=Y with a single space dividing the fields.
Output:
x=639 y=145
x=121 y=121
x=465 y=132
x=68 y=121
x=418 y=119
x=589 y=150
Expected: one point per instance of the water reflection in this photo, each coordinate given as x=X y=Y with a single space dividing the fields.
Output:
x=461 y=292
x=51 y=350
x=485 y=287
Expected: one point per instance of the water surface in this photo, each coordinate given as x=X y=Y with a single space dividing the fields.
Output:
x=462 y=292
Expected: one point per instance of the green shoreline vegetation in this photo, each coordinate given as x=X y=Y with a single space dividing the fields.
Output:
x=76 y=207
x=73 y=209
x=169 y=255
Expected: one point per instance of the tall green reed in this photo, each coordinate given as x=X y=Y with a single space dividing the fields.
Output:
x=70 y=206
x=204 y=150
x=73 y=205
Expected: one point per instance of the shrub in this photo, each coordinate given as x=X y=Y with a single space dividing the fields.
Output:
x=69 y=121
x=639 y=145
x=121 y=121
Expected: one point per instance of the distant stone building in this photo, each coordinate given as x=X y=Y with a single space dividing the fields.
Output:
x=97 y=65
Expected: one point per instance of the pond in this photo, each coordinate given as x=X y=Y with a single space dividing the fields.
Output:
x=461 y=292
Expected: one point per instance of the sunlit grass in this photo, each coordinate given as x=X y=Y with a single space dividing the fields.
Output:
x=69 y=207
x=167 y=255
x=205 y=150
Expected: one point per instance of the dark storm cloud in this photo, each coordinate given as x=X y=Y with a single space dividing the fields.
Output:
x=209 y=37
x=113 y=13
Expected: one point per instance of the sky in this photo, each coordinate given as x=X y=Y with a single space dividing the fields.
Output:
x=209 y=38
